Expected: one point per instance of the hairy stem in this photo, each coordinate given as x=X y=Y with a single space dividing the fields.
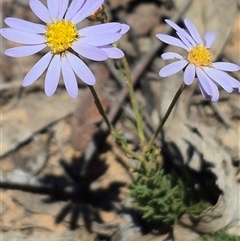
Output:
x=114 y=133
x=169 y=110
x=133 y=100
x=101 y=111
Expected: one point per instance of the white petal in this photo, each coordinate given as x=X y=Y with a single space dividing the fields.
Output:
x=37 y=69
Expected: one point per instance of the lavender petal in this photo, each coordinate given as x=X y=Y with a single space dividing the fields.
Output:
x=73 y=8
x=215 y=92
x=235 y=84
x=53 y=75
x=184 y=40
x=100 y=29
x=53 y=8
x=69 y=78
x=88 y=8
x=181 y=30
x=124 y=28
x=89 y=51
x=37 y=69
x=62 y=8
x=21 y=37
x=40 y=10
x=24 y=25
x=225 y=66
x=172 y=68
x=171 y=40
x=204 y=81
x=24 y=51
x=189 y=74
x=209 y=38
x=171 y=55
x=214 y=89
x=81 y=69
x=112 y=52
x=193 y=31
x=219 y=77
x=99 y=40
x=204 y=93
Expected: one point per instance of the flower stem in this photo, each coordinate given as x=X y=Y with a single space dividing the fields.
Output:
x=101 y=111
x=133 y=100
x=132 y=154
x=169 y=110
x=125 y=149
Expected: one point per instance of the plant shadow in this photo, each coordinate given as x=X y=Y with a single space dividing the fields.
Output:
x=82 y=202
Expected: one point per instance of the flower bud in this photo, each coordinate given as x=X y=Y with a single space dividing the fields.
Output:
x=99 y=15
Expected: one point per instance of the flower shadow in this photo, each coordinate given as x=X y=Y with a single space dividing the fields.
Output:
x=83 y=204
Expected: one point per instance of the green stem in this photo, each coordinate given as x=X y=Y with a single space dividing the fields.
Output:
x=133 y=100
x=132 y=154
x=101 y=111
x=169 y=110
x=125 y=149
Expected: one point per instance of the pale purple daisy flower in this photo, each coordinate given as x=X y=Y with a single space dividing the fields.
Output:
x=65 y=41
x=198 y=61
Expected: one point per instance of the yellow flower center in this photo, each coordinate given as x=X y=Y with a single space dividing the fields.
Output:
x=200 y=56
x=60 y=35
